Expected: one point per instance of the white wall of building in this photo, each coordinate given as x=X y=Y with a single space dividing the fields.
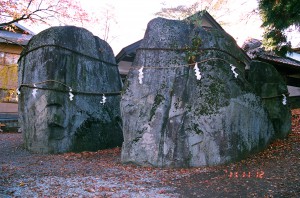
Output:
x=294 y=55
x=294 y=91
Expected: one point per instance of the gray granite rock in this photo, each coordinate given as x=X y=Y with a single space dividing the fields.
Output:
x=269 y=84
x=63 y=58
x=171 y=119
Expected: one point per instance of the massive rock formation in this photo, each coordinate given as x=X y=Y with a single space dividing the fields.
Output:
x=268 y=84
x=62 y=75
x=173 y=119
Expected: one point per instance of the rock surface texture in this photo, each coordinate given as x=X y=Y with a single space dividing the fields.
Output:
x=171 y=118
x=269 y=84
x=62 y=75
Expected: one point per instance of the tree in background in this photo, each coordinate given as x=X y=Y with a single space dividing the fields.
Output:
x=278 y=16
x=181 y=12
x=36 y=12
x=108 y=19
x=41 y=11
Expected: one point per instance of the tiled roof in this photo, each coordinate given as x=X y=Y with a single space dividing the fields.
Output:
x=254 y=50
x=20 y=37
x=128 y=52
x=283 y=60
x=14 y=38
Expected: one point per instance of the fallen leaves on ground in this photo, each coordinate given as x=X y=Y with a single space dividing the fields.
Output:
x=271 y=173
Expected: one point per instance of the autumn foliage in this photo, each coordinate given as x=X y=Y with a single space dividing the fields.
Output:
x=296 y=120
x=271 y=173
x=42 y=11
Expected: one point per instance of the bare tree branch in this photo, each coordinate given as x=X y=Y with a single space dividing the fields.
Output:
x=41 y=11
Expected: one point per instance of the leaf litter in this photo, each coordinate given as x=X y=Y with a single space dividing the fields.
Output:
x=273 y=172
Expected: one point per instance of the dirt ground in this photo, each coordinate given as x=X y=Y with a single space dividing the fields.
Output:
x=274 y=172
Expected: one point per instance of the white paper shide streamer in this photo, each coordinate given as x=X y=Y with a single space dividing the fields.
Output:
x=70 y=94
x=103 y=99
x=233 y=70
x=141 y=75
x=34 y=91
x=197 y=72
x=18 y=91
x=284 y=99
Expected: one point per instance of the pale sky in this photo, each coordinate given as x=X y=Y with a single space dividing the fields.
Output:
x=132 y=17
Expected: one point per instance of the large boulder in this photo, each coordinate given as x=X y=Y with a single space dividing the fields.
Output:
x=172 y=119
x=269 y=84
x=63 y=74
